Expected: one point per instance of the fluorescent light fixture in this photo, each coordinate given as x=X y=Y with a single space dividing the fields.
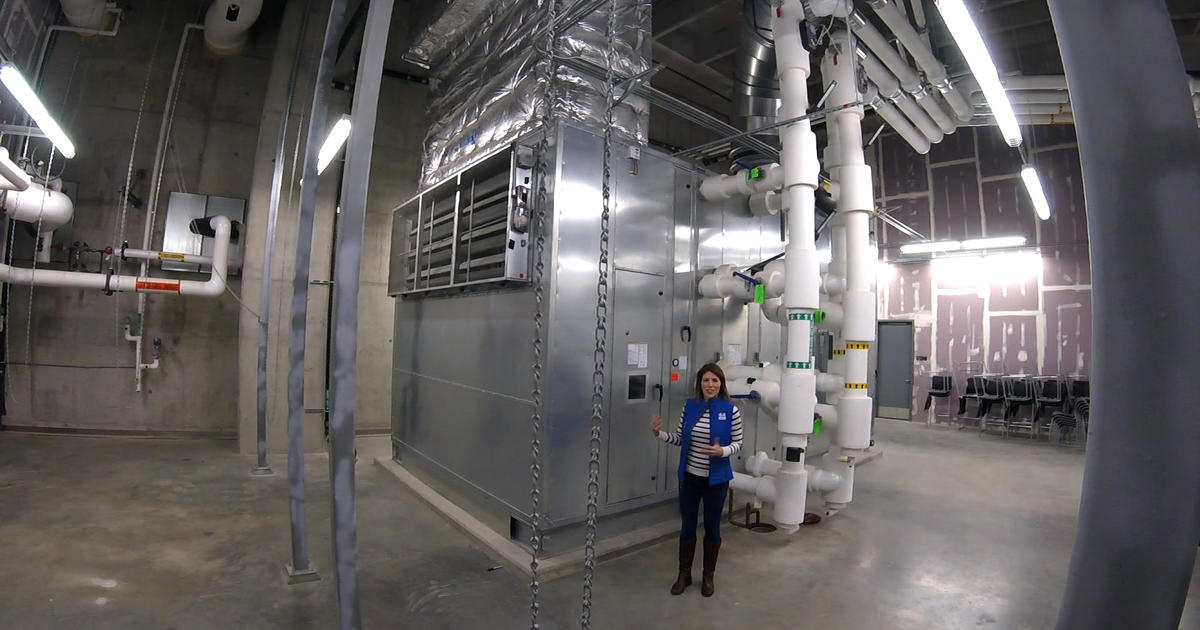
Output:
x=991 y=243
x=1033 y=184
x=25 y=95
x=926 y=248
x=966 y=35
x=333 y=143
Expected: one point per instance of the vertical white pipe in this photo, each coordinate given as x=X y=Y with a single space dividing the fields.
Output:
x=801 y=295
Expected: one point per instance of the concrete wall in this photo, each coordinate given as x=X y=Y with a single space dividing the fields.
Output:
x=1016 y=313
x=394 y=170
x=96 y=86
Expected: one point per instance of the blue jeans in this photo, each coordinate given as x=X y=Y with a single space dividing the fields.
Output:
x=691 y=491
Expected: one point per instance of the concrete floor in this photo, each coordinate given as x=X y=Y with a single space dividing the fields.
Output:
x=948 y=531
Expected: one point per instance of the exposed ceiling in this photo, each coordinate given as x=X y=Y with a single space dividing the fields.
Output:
x=697 y=41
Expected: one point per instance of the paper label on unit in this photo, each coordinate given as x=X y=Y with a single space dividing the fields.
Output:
x=733 y=353
x=643 y=355
x=631 y=353
x=682 y=362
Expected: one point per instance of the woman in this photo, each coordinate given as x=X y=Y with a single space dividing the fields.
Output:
x=711 y=427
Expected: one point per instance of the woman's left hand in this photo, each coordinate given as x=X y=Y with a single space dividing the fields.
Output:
x=715 y=450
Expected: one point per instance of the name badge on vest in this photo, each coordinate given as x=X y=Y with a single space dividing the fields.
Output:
x=721 y=415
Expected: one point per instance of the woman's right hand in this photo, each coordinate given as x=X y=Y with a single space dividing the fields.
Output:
x=656 y=424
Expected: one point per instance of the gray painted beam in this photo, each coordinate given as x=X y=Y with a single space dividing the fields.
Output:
x=1139 y=516
x=318 y=114
x=347 y=270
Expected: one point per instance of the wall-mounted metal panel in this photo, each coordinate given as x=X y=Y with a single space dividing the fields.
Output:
x=638 y=385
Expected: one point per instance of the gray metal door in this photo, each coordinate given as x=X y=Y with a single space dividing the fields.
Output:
x=638 y=387
x=894 y=370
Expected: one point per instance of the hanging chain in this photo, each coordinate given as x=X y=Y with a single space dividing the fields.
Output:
x=539 y=274
x=599 y=356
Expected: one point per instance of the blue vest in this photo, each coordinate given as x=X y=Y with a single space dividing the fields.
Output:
x=720 y=426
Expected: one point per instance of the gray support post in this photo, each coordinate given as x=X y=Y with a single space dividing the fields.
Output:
x=348 y=258
x=264 y=296
x=300 y=569
x=1139 y=519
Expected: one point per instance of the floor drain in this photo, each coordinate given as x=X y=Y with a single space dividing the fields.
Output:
x=811 y=519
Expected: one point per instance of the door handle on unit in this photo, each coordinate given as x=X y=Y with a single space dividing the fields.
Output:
x=658 y=392
x=685 y=334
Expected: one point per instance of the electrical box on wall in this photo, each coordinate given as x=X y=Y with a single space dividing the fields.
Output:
x=178 y=237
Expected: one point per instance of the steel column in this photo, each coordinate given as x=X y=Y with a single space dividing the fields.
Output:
x=1139 y=518
x=348 y=259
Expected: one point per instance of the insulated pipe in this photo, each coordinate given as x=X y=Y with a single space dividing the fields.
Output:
x=767 y=391
x=772 y=309
x=889 y=88
x=213 y=287
x=87 y=14
x=1139 y=517
x=1026 y=97
x=739 y=184
x=227 y=25
x=721 y=283
x=935 y=72
x=14 y=175
x=774 y=277
x=835 y=315
x=149 y=254
x=855 y=203
x=41 y=206
x=902 y=126
x=801 y=297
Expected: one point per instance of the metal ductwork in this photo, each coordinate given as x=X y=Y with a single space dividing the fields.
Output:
x=755 y=86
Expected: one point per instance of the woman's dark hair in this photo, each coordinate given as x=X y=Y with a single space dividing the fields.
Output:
x=719 y=373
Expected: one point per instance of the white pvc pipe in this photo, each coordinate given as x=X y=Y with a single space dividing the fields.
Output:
x=765 y=486
x=721 y=283
x=40 y=206
x=935 y=72
x=1026 y=97
x=801 y=296
x=16 y=178
x=227 y=24
x=214 y=286
x=889 y=88
x=87 y=14
x=739 y=184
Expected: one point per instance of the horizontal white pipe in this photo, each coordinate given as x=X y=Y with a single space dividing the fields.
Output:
x=39 y=205
x=765 y=487
x=767 y=391
x=226 y=36
x=1034 y=82
x=150 y=254
x=721 y=283
x=214 y=286
x=827 y=383
x=1026 y=97
x=13 y=174
x=739 y=184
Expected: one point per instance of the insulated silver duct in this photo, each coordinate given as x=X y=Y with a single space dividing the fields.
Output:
x=755 y=87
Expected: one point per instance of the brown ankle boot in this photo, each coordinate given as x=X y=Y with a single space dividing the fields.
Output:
x=687 y=551
x=711 y=550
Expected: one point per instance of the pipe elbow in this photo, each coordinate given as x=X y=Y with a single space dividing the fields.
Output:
x=227 y=25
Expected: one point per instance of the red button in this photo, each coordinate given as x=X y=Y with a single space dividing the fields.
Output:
x=674 y=376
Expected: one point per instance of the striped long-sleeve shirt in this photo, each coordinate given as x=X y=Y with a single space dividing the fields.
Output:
x=697 y=458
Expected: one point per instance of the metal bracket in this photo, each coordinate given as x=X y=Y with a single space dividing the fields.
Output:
x=627 y=86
